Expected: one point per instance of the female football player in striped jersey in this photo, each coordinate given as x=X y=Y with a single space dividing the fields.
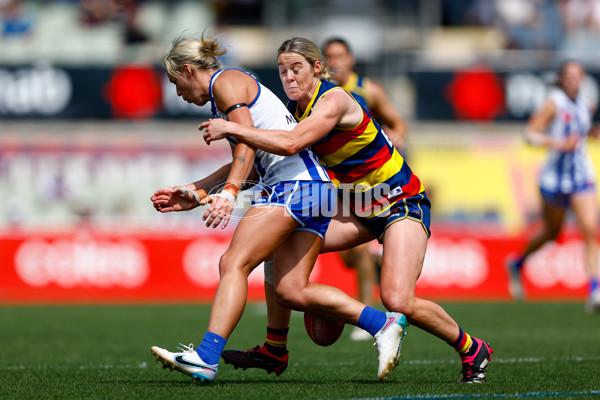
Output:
x=288 y=222
x=387 y=200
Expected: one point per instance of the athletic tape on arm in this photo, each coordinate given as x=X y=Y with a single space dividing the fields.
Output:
x=185 y=189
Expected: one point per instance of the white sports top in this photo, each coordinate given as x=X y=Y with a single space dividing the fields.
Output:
x=268 y=112
x=571 y=171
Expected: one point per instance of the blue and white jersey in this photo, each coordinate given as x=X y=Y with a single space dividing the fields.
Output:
x=268 y=112
x=568 y=172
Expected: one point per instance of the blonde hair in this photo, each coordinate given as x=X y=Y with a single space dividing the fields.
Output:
x=306 y=49
x=200 y=53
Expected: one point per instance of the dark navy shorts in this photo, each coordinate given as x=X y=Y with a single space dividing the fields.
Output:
x=416 y=208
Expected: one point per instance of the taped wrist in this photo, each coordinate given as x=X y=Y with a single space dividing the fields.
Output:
x=185 y=189
x=225 y=194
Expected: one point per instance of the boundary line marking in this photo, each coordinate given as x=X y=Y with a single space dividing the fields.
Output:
x=490 y=396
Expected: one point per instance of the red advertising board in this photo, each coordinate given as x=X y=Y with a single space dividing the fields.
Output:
x=92 y=266
x=84 y=266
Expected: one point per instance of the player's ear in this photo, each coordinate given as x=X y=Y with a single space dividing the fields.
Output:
x=187 y=69
x=318 y=67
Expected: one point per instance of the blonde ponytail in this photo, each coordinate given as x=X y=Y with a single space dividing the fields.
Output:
x=200 y=53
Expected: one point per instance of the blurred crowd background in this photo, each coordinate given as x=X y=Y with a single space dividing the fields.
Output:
x=393 y=35
x=90 y=126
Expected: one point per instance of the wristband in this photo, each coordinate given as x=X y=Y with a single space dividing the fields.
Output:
x=224 y=194
x=185 y=189
x=231 y=188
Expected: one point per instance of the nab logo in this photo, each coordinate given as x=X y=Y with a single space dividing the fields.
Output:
x=289 y=119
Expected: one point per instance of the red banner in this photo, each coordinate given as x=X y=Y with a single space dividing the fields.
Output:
x=92 y=266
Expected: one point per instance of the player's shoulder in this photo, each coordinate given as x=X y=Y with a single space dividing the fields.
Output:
x=336 y=96
x=234 y=72
x=557 y=95
x=233 y=77
x=233 y=82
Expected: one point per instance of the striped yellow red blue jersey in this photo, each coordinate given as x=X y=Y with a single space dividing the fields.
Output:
x=357 y=86
x=362 y=160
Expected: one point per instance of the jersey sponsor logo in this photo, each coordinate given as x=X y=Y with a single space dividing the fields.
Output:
x=290 y=119
x=395 y=192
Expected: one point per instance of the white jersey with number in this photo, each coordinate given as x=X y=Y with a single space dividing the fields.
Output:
x=567 y=172
x=268 y=112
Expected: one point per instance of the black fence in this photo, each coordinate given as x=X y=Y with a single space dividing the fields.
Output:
x=52 y=92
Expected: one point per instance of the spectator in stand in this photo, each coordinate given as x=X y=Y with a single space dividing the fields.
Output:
x=16 y=19
x=123 y=12
x=529 y=24
x=581 y=23
x=96 y=12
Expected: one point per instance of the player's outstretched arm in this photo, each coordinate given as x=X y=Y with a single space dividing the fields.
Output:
x=177 y=198
x=182 y=198
x=335 y=108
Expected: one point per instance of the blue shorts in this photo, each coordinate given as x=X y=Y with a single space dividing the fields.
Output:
x=416 y=208
x=310 y=203
x=563 y=200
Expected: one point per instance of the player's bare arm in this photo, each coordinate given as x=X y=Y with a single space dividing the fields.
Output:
x=383 y=110
x=236 y=88
x=535 y=132
x=335 y=109
x=230 y=89
x=183 y=198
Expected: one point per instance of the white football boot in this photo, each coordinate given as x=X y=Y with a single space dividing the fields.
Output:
x=388 y=342
x=187 y=362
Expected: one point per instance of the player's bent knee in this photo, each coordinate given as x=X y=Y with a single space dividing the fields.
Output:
x=284 y=300
x=229 y=263
x=290 y=297
x=397 y=303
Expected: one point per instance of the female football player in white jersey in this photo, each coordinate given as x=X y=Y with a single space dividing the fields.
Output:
x=288 y=222
x=567 y=179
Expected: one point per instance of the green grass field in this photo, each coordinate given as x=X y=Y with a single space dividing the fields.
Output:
x=542 y=350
